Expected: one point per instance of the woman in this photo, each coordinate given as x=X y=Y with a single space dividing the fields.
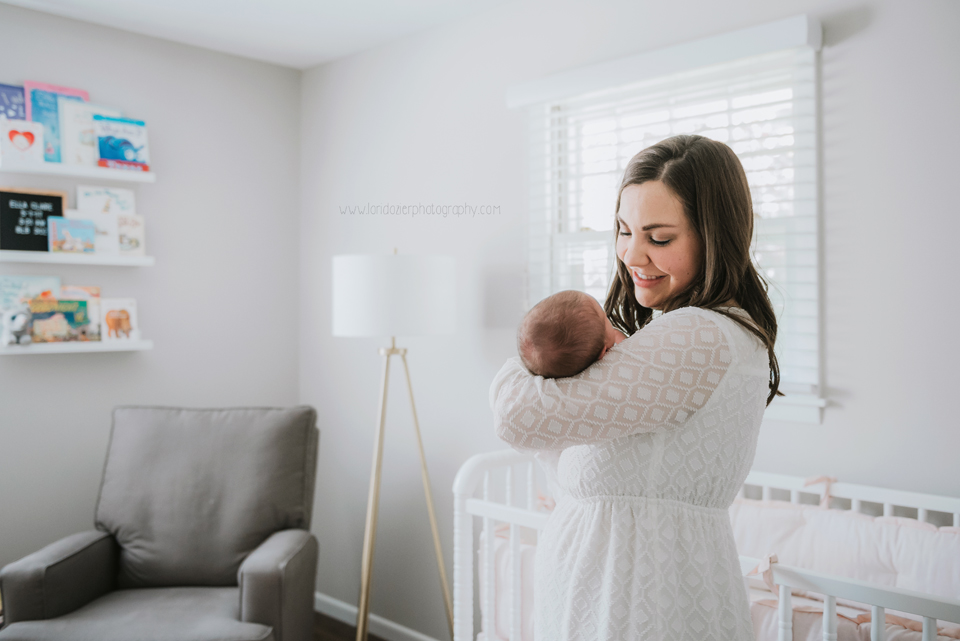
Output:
x=658 y=436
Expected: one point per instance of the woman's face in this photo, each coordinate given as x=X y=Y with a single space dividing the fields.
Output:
x=656 y=243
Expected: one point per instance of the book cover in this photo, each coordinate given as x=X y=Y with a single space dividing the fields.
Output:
x=21 y=143
x=11 y=103
x=23 y=217
x=17 y=291
x=132 y=232
x=42 y=106
x=106 y=200
x=122 y=143
x=56 y=320
x=118 y=319
x=92 y=296
x=78 y=140
x=107 y=241
x=71 y=235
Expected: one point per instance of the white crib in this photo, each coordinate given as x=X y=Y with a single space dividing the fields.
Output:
x=507 y=484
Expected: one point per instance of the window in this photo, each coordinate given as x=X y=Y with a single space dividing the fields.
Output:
x=764 y=106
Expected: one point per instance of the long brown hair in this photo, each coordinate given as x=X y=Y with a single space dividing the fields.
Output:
x=708 y=179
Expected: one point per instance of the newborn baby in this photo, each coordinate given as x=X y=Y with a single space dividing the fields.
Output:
x=563 y=334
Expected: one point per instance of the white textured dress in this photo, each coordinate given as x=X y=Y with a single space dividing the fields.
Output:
x=656 y=440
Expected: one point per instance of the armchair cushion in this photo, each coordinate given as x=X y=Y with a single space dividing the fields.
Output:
x=188 y=494
x=276 y=584
x=156 y=614
x=59 y=578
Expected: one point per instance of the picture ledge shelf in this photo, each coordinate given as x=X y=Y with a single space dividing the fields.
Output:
x=81 y=171
x=13 y=256
x=75 y=347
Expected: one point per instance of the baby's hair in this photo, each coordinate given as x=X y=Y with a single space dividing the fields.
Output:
x=561 y=336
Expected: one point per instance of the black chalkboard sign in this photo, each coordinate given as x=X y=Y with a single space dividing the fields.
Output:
x=23 y=217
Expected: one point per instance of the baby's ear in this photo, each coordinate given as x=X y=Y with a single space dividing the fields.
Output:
x=602 y=352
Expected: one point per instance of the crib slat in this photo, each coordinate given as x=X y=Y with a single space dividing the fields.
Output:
x=878 y=621
x=929 y=629
x=767 y=494
x=956 y=520
x=514 y=581
x=487 y=623
x=785 y=615
x=922 y=515
x=855 y=505
x=795 y=496
x=509 y=500
x=740 y=492
x=531 y=491
x=888 y=509
x=829 y=618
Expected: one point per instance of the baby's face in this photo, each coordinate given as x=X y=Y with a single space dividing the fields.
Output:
x=611 y=335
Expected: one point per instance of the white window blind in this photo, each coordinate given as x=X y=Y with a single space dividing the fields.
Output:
x=763 y=107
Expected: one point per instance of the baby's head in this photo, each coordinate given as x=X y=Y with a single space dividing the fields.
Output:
x=564 y=334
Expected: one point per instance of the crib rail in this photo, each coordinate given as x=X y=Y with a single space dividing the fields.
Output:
x=476 y=475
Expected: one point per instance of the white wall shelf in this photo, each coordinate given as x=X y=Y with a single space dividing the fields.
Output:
x=81 y=171
x=73 y=347
x=64 y=258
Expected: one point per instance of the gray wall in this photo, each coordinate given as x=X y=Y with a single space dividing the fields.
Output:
x=423 y=120
x=221 y=302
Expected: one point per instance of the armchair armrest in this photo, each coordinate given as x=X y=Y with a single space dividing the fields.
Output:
x=59 y=578
x=277 y=582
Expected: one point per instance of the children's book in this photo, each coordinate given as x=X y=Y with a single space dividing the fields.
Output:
x=105 y=200
x=118 y=319
x=107 y=241
x=21 y=143
x=42 y=106
x=122 y=143
x=17 y=291
x=56 y=320
x=71 y=235
x=132 y=233
x=92 y=296
x=12 y=103
x=23 y=217
x=78 y=140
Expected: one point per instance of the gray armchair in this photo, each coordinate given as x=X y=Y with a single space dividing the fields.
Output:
x=202 y=534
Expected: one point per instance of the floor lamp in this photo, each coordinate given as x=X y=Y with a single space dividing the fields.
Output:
x=393 y=295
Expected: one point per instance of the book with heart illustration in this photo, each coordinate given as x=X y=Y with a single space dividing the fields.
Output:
x=12 y=104
x=21 y=143
x=78 y=139
x=42 y=105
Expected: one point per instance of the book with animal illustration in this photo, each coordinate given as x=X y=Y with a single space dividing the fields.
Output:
x=132 y=234
x=78 y=139
x=105 y=200
x=122 y=143
x=17 y=291
x=21 y=143
x=71 y=235
x=118 y=319
x=56 y=320
x=107 y=241
x=90 y=294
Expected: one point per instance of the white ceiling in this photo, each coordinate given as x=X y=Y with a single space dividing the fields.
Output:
x=292 y=33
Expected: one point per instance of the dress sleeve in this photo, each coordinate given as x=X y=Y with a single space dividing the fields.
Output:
x=655 y=379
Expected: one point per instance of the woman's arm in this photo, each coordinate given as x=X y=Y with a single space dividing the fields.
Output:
x=656 y=378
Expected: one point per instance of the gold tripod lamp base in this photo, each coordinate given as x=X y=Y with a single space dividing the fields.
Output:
x=373 y=499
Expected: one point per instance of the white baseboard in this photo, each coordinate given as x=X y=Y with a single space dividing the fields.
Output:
x=347 y=613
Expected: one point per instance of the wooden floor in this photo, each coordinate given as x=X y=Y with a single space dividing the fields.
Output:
x=328 y=629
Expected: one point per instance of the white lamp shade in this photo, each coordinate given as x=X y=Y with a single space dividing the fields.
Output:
x=393 y=295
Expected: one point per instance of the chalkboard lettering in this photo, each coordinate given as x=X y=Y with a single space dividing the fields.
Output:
x=23 y=218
